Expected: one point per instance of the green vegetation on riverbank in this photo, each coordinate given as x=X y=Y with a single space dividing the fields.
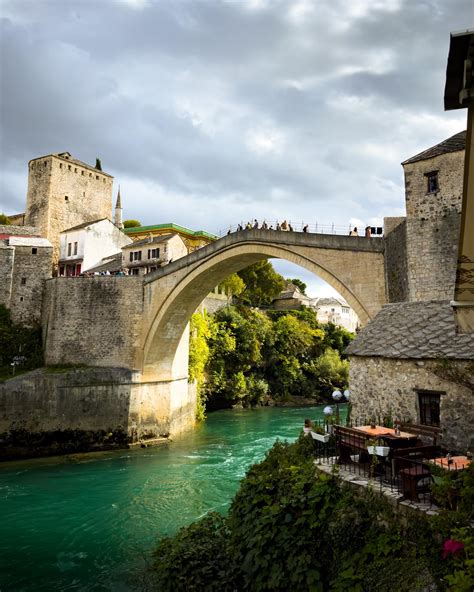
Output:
x=291 y=529
x=20 y=347
x=242 y=355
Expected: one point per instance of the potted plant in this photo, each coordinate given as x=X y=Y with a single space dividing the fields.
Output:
x=373 y=448
x=318 y=434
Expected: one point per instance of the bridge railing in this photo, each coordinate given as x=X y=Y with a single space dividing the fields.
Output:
x=316 y=227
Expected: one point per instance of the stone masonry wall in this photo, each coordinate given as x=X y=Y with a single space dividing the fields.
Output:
x=383 y=385
x=7 y=257
x=51 y=180
x=31 y=269
x=433 y=223
x=94 y=321
x=53 y=412
x=396 y=270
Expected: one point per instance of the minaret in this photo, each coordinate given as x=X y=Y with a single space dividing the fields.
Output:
x=118 y=211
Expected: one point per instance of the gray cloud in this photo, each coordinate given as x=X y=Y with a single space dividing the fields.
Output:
x=210 y=112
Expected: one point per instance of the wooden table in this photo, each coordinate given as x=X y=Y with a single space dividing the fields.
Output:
x=381 y=431
x=458 y=463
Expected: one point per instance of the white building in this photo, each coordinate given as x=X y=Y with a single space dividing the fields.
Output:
x=86 y=245
x=336 y=311
x=147 y=255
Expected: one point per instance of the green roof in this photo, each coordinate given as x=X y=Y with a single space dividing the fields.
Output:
x=195 y=233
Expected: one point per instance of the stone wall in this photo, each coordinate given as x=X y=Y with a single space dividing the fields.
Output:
x=433 y=223
x=47 y=412
x=31 y=269
x=63 y=193
x=94 y=321
x=396 y=270
x=383 y=385
x=7 y=258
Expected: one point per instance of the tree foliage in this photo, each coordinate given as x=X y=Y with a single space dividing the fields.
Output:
x=98 y=164
x=18 y=344
x=5 y=220
x=244 y=356
x=233 y=285
x=300 y=284
x=131 y=224
x=262 y=283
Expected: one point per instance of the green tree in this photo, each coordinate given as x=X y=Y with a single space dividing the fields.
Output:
x=5 y=220
x=131 y=224
x=98 y=164
x=233 y=285
x=262 y=283
x=300 y=284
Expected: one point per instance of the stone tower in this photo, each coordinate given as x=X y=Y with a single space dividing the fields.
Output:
x=64 y=192
x=433 y=193
x=118 y=211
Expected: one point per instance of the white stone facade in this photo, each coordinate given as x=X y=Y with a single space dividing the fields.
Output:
x=336 y=311
x=84 y=247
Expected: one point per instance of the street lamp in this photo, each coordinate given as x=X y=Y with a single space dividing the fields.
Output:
x=328 y=411
x=337 y=396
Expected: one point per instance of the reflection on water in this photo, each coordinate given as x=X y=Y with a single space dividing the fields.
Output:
x=89 y=522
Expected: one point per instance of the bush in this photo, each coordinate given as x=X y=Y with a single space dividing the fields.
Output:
x=196 y=559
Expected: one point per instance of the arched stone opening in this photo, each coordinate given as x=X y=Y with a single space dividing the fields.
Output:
x=165 y=343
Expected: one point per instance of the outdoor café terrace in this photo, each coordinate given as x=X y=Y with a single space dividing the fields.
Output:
x=404 y=462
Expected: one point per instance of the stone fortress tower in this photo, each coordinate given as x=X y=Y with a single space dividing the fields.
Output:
x=64 y=192
x=433 y=197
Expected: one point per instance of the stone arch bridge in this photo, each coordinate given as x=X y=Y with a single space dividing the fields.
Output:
x=134 y=329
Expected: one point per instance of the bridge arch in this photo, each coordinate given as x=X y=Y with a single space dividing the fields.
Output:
x=165 y=339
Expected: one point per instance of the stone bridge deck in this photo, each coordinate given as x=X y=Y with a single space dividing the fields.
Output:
x=272 y=237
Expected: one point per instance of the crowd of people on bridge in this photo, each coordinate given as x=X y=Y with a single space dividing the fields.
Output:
x=256 y=225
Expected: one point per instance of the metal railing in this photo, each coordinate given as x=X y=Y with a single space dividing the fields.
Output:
x=316 y=228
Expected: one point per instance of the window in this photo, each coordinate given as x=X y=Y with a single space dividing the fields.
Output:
x=153 y=253
x=432 y=182
x=135 y=255
x=45 y=163
x=429 y=407
x=23 y=281
x=34 y=251
x=75 y=248
x=60 y=165
x=75 y=169
x=135 y=271
x=69 y=247
x=68 y=167
x=66 y=198
x=97 y=177
x=82 y=173
x=345 y=310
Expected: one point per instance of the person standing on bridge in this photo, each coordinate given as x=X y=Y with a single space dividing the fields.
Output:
x=368 y=232
x=305 y=228
x=255 y=224
x=354 y=232
x=284 y=225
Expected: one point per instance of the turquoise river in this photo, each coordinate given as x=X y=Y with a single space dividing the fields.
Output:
x=89 y=522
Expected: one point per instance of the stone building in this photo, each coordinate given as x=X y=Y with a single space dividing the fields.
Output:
x=410 y=362
x=336 y=311
x=64 y=192
x=433 y=196
x=291 y=298
x=25 y=264
x=147 y=255
x=86 y=245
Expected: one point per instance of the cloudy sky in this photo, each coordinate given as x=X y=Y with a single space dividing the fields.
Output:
x=212 y=112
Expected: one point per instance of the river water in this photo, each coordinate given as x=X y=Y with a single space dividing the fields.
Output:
x=89 y=522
